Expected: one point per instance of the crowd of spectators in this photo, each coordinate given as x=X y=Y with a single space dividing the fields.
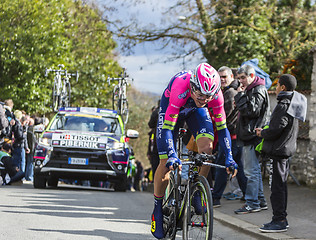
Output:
x=17 y=142
x=248 y=118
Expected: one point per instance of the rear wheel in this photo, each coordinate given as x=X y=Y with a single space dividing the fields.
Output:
x=199 y=226
x=169 y=209
x=66 y=97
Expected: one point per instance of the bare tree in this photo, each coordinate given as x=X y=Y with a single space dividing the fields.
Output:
x=220 y=31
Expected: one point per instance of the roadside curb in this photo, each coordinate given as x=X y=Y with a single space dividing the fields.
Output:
x=244 y=226
x=249 y=228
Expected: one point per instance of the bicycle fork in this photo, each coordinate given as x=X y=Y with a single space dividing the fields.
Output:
x=189 y=198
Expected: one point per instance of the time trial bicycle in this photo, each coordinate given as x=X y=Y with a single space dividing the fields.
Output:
x=179 y=209
x=119 y=95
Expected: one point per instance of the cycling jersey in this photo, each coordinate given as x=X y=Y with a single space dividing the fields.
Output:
x=177 y=106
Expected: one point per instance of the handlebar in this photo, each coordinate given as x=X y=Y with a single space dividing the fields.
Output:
x=123 y=76
x=69 y=75
x=119 y=79
x=62 y=71
x=201 y=158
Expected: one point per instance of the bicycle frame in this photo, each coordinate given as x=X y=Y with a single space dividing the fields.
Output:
x=183 y=192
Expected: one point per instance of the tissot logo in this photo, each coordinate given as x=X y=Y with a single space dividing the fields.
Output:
x=80 y=141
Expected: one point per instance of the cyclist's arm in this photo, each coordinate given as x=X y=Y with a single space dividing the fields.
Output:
x=224 y=139
x=165 y=141
x=168 y=116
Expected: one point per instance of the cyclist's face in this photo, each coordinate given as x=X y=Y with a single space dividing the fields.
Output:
x=200 y=99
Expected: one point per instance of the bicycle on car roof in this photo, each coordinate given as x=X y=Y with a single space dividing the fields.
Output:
x=119 y=95
x=61 y=92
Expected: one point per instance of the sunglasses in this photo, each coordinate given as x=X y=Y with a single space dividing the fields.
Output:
x=198 y=94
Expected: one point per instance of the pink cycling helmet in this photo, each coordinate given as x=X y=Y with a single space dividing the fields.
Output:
x=206 y=79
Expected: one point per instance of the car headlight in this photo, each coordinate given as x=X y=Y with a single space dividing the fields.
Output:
x=45 y=141
x=116 y=145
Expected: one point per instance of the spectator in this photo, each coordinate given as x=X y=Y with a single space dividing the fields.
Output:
x=252 y=101
x=20 y=147
x=280 y=144
x=7 y=168
x=152 y=152
x=31 y=140
x=229 y=87
x=138 y=176
x=9 y=108
x=4 y=123
x=7 y=133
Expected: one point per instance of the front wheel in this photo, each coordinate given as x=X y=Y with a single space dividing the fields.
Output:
x=121 y=185
x=52 y=181
x=198 y=224
x=39 y=181
x=115 y=99
x=169 y=209
x=55 y=99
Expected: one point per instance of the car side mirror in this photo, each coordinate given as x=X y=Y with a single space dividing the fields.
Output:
x=39 y=128
x=132 y=134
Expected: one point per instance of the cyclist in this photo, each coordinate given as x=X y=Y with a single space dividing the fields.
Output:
x=191 y=96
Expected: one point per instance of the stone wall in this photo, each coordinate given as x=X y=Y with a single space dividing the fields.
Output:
x=303 y=163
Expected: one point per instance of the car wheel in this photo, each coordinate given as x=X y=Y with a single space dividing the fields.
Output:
x=120 y=186
x=39 y=181
x=53 y=182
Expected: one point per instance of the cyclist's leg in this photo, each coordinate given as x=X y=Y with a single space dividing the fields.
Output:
x=200 y=124
x=161 y=180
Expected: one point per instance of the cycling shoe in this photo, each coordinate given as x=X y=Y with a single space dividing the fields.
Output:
x=157 y=222
x=196 y=203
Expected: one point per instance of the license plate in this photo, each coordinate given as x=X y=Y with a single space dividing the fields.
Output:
x=78 y=161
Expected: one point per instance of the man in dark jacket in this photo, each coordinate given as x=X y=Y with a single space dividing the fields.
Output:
x=152 y=152
x=229 y=87
x=280 y=144
x=31 y=141
x=20 y=147
x=252 y=101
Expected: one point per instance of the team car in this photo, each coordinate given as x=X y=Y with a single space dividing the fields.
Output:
x=83 y=143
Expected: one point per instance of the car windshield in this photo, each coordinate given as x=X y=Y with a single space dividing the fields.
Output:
x=86 y=123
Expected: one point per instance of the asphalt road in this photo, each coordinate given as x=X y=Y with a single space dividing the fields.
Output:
x=72 y=212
